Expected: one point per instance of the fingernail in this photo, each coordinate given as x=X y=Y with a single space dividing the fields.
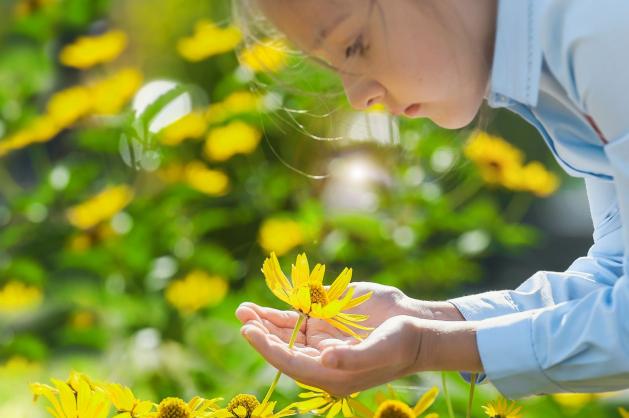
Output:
x=246 y=332
x=330 y=360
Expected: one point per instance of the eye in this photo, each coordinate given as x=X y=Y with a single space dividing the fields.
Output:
x=358 y=46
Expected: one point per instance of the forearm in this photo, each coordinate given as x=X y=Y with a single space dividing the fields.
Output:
x=433 y=310
x=446 y=345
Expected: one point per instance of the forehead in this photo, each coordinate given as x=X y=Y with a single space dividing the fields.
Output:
x=307 y=22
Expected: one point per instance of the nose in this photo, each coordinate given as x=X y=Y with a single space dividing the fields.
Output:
x=363 y=93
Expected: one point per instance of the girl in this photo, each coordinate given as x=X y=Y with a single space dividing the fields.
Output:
x=563 y=65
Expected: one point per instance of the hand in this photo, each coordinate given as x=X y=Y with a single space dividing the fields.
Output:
x=391 y=351
x=386 y=302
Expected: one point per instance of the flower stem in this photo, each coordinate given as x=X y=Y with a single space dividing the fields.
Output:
x=447 y=395
x=291 y=343
x=470 y=399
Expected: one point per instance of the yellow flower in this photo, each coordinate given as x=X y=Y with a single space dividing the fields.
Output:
x=623 y=412
x=280 y=235
x=393 y=407
x=269 y=55
x=67 y=106
x=111 y=94
x=236 y=138
x=210 y=182
x=319 y=402
x=306 y=293
x=236 y=103
x=126 y=403
x=77 y=398
x=497 y=160
x=16 y=297
x=502 y=409
x=101 y=207
x=192 y=125
x=248 y=406
x=177 y=408
x=196 y=291
x=18 y=365
x=539 y=181
x=208 y=40
x=82 y=319
x=88 y=51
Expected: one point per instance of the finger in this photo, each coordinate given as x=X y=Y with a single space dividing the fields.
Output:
x=366 y=355
x=245 y=314
x=331 y=342
x=282 y=319
x=293 y=363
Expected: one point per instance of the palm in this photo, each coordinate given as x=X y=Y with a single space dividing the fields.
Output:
x=316 y=334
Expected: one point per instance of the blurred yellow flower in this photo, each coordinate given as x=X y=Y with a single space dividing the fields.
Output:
x=236 y=103
x=177 y=408
x=247 y=406
x=201 y=178
x=111 y=94
x=41 y=129
x=269 y=55
x=236 y=138
x=538 y=180
x=67 y=106
x=75 y=399
x=392 y=406
x=172 y=173
x=125 y=402
x=306 y=294
x=574 y=401
x=16 y=296
x=623 y=412
x=191 y=126
x=195 y=291
x=496 y=158
x=82 y=319
x=19 y=365
x=280 y=235
x=319 y=402
x=208 y=40
x=502 y=409
x=101 y=207
x=88 y=51
x=27 y=7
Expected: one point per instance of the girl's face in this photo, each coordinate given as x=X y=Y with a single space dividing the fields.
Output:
x=420 y=58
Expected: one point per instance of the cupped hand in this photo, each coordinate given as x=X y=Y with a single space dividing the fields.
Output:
x=389 y=352
x=385 y=302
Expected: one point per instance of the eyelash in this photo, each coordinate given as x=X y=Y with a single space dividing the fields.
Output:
x=358 y=46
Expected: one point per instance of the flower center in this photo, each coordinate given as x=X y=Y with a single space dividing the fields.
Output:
x=243 y=405
x=173 y=408
x=394 y=409
x=318 y=295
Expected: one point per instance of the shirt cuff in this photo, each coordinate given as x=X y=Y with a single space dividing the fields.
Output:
x=485 y=305
x=507 y=352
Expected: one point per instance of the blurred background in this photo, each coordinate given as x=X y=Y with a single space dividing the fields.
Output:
x=151 y=158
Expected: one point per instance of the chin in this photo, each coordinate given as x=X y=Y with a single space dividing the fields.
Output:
x=455 y=118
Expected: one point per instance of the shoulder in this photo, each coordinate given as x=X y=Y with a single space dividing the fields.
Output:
x=585 y=44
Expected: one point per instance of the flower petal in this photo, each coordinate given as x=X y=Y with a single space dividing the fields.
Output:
x=358 y=300
x=426 y=401
x=316 y=277
x=340 y=284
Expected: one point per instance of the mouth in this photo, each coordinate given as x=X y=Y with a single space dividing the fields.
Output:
x=413 y=110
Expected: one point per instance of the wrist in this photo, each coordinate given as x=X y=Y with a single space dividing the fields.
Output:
x=433 y=310
x=444 y=346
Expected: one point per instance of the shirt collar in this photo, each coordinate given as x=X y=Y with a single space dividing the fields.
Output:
x=517 y=63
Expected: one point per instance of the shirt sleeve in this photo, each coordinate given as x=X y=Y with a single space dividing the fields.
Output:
x=601 y=267
x=579 y=345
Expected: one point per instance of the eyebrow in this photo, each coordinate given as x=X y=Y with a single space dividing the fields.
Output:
x=325 y=33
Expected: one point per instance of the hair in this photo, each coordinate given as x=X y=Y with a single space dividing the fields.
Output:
x=256 y=28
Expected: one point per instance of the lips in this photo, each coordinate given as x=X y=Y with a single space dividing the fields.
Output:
x=412 y=110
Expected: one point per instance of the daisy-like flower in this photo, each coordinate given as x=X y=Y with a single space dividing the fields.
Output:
x=77 y=398
x=306 y=293
x=392 y=407
x=502 y=409
x=177 y=408
x=126 y=403
x=319 y=402
x=248 y=406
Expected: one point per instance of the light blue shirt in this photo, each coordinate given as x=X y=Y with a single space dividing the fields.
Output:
x=556 y=61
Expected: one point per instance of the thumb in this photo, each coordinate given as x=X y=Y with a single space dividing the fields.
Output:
x=365 y=355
